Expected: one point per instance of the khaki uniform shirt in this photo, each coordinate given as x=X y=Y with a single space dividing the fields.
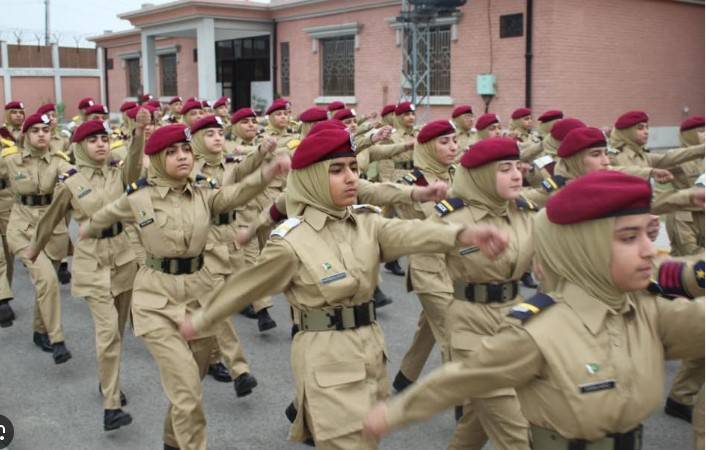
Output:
x=579 y=368
x=626 y=157
x=386 y=167
x=686 y=233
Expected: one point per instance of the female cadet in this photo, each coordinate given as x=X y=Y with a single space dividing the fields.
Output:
x=309 y=118
x=521 y=127
x=104 y=267
x=32 y=174
x=338 y=357
x=462 y=117
x=488 y=126
x=587 y=360
x=546 y=121
x=169 y=210
x=191 y=112
x=223 y=257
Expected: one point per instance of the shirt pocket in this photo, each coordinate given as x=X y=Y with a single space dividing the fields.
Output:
x=332 y=280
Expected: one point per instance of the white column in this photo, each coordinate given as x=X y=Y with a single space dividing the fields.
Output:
x=101 y=67
x=206 y=50
x=149 y=62
x=58 y=98
x=7 y=79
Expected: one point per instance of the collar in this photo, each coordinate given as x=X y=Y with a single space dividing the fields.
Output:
x=164 y=190
x=46 y=156
x=317 y=218
x=591 y=311
x=478 y=213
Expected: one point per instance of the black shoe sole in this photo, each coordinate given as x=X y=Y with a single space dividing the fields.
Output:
x=401 y=382
x=247 y=390
x=291 y=413
x=677 y=413
x=123 y=421
x=6 y=324
x=216 y=375
x=381 y=303
x=61 y=359
x=266 y=326
x=45 y=347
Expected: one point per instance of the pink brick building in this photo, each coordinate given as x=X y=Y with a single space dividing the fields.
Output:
x=592 y=58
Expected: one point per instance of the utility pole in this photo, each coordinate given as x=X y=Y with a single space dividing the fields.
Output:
x=46 y=22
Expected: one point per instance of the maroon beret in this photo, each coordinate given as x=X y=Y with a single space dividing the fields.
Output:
x=280 y=103
x=209 y=121
x=206 y=104
x=165 y=136
x=327 y=125
x=335 y=106
x=326 y=144
x=85 y=103
x=34 y=119
x=189 y=105
x=174 y=100
x=561 y=128
x=486 y=120
x=223 y=101
x=127 y=105
x=387 y=109
x=241 y=114
x=580 y=139
x=404 y=107
x=14 y=104
x=552 y=114
x=155 y=104
x=604 y=193
x=91 y=128
x=192 y=99
x=461 y=109
x=46 y=108
x=96 y=109
x=132 y=112
x=631 y=118
x=521 y=112
x=490 y=150
x=146 y=97
x=343 y=114
x=688 y=124
x=434 y=129
x=314 y=114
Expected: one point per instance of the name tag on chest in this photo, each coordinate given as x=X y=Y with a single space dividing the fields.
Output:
x=468 y=251
x=334 y=277
x=597 y=386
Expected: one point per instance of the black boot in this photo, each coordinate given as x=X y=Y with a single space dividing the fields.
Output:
x=458 y=412
x=7 y=315
x=380 y=299
x=63 y=273
x=291 y=413
x=169 y=447
x=394 y=268
x=41 y=340
x=123 y=398
x=244 y=385
x=219 y=372
x=264 y=321
x=115 y=418
x=401 y=382
x=61 y=354
x=249 y=312
x=528 y=281
x=679 y=410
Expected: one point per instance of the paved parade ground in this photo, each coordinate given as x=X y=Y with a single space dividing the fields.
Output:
x=58 y=407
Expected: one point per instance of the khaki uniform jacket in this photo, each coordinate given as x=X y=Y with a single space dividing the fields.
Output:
x=324 y=263
x=686 y=232
x=173 y=224
x=579 y=368
x=386 y=167
x=625 y=157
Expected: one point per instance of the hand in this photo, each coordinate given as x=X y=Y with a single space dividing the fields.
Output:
x=142 y=119
x=409 y=145
x=653 y=228
x=268 y=145
x=372 y=115
x=187 y=330
x=697 y=197
x=82 y=232
x=491 y=241
x=662 y=175
x=31 y=253
x=524 y=168
x=382 y=134
x=434 y=192
x=244 y=235
x=375 y=423
x=277 y=167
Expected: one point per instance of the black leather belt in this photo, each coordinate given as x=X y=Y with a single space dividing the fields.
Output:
x=487 y=292
x=225 y=218
x=3 y=184
x=36 y=200
x=544 y=439
x=112 y=231
x=175 y=266
x=339 y=318
x=406 y=165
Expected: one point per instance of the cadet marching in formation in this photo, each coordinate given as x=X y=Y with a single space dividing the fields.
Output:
x=188 y=214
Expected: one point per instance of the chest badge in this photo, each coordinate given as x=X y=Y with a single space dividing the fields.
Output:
x=327 y=266
x=144 y=220
x=83 y=191
x=593 y=368
x=20 y=176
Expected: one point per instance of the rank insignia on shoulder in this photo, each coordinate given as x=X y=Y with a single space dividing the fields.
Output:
x=136 y=186
x=232 y=159
x=367 y=208
x=448 y=206
x=655 y=289
x=524 y=203
x=285 y=227
x=293 y=144
x=66 y=175
x=210 y=182
x=415 y=177
x=553 y=183
x=9 y=151
x=62 y=155
x=116 y=163
x=531 y=307
x=116 y=144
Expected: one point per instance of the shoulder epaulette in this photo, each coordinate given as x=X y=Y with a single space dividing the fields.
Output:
x=448 y=206
x=531 y=307
x=233 y=159
x=62 y=155
x=679 y=279
x=655 y=289
x=7 y=142
x=116 y=144
x=116 y=163
x=415 y=177
x=285 y=227
x=136 y=186
x=9 y=151
x=211 y=182
x=523 y=203
x=68 y=174
x=553 y=183
x=6 y=135
x=293 y=144
x=367 y=208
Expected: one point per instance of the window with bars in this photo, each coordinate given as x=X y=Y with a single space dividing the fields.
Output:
x=338 y=66
x=284 y=67
x=133 y=76
x=439 y=61
x=168 y=75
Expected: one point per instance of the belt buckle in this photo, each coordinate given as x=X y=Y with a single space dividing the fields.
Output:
x=335 y=319
x=361 y=315
x=494 y=292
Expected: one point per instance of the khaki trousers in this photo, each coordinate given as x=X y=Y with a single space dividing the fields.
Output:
x=229 y=349
x=47 y=309
x=698 y=420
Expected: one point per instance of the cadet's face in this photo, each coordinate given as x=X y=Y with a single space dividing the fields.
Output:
x=52 y=119
x=214 y=139
x=39 y=135
x=281 y=118
x=446 y=149
x=508 y=179
x=149 y=129
x=631 y=258
x=526 y=122
x=249 y=126
x=494 y=130
x=98 y=147
x=595 y=159
x=194 y=115
x=175 y=107
x=343 y=181
x=409 y=118
x=17 y=116
x=97 y=117
x=467 y=120
x=179 y=161
x=642 y=132
x=222 y=111
x=351 y=124
x=700 y=135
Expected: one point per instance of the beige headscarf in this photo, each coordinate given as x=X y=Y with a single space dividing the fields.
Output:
x=579 y=254
x=477 y=187
x=545 y=127
x=690 y=137
x=157 y=174
x=82 y=158
x=572 y=167
x=34 y=151
x=625 y=138
x=305 y=128
x=460 y=125
x=425 y=158
x=310 y=187
x=550 y=145
x=389 y=119
x=399 y=125
x=198 y=146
